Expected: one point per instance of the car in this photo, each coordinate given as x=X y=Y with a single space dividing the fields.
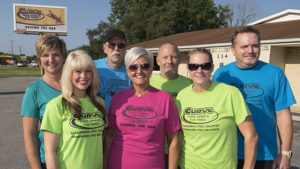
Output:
x=34 y=64
x=22 y=64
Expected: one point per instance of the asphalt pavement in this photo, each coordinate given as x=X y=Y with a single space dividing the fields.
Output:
x=12 y=149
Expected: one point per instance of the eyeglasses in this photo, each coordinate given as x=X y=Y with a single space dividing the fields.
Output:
x=113 y=45
x=144 y=67
x=204 y=66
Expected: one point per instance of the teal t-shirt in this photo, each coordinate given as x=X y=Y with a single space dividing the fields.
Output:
x=172 y=87
x=266 y=90
x=80 y=141
x=209 y=123
x=111 y=80
x=36 y=96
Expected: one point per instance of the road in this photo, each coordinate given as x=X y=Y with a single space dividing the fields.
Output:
x=13 y=155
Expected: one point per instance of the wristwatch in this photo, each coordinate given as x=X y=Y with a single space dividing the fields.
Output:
x=289 y=154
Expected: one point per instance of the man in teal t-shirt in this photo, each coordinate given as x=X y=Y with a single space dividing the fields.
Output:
x=111 y=70
x=169 y=80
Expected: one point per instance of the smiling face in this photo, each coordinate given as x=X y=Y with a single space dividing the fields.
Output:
x=52 y=61
x=246 y=50
x=140 y=76
x=115 y=54
x=81 y=80
x=200 y=77
x=168 y=60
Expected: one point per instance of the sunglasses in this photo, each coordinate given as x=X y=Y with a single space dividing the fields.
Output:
x=144 y=67
x=204 y=66
x=113 y=45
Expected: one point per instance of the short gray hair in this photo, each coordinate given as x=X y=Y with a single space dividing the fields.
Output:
x=134 y=53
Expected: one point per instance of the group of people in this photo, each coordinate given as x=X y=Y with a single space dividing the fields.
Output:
x=112 y=113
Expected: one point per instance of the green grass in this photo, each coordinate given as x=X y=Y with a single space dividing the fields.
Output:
x=20 y=71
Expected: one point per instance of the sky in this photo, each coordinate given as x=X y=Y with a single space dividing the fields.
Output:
x=84 y=15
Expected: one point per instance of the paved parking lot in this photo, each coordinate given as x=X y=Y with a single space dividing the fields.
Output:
x=13 y=155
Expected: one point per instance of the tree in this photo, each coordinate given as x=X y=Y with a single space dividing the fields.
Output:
x=242 y=11
x=145 y=20
x=96 y=39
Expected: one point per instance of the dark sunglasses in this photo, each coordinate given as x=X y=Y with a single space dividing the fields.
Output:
x=113 y=45
x=144 y=67
x=204 y=66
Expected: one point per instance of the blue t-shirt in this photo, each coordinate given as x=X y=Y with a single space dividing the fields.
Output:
x=36 y=96
x=111 y=80
x=266 y=90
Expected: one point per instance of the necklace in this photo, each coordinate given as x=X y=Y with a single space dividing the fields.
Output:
x=139 y=93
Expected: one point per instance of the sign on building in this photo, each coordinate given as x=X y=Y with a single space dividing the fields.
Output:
x=37 y=19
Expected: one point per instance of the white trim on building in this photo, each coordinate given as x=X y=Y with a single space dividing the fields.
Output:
x=285 y=15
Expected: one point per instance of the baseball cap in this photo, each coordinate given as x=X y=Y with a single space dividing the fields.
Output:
x=114 y=32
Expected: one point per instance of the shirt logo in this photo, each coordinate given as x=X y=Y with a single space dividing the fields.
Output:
x=249 y=90
x=139 y=112
x=199 y=115
x=88 y=121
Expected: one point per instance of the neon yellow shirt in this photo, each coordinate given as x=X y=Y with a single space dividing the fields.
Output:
x=209 y=123
x=80 y=141
x=170 y=86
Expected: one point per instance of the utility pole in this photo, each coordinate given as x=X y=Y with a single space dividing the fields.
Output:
x=20 y=49
x=12 y=48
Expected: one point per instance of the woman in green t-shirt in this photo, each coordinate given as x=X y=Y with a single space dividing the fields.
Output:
x=210 y=113
x=74 y=122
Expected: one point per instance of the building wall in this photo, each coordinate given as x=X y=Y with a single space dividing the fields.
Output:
x=182 y=69
x=292 y=71
x=278 y=56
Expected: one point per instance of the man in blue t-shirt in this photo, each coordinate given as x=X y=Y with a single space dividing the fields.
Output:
x=111 y=70
x=268 y=95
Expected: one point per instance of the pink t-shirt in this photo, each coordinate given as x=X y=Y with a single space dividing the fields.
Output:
x=140 y=126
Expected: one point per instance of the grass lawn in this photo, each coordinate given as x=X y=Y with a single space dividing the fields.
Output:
x=20 y=71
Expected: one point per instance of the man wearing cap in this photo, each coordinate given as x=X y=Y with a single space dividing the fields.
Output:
x=111 y=70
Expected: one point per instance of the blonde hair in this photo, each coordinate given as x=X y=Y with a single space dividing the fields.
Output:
x=79 y=59
x=134 y=53
x=48 y=42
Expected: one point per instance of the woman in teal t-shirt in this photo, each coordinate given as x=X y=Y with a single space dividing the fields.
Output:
x=74 y=122
x=51 y=52
x=210 y=113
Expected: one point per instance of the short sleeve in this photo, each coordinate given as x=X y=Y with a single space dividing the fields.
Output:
x=240 y=108
x=29 y=107
x=172 y=122
x=283 y=95
x=52 y=120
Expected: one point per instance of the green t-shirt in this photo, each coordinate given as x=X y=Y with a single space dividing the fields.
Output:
x=209 y=122
x=172 y=87
x=80 y=141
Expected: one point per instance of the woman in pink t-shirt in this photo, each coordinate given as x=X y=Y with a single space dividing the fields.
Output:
x=139 y=119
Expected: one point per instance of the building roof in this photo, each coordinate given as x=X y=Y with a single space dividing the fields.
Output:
x=285 y=15
x=278 y=32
